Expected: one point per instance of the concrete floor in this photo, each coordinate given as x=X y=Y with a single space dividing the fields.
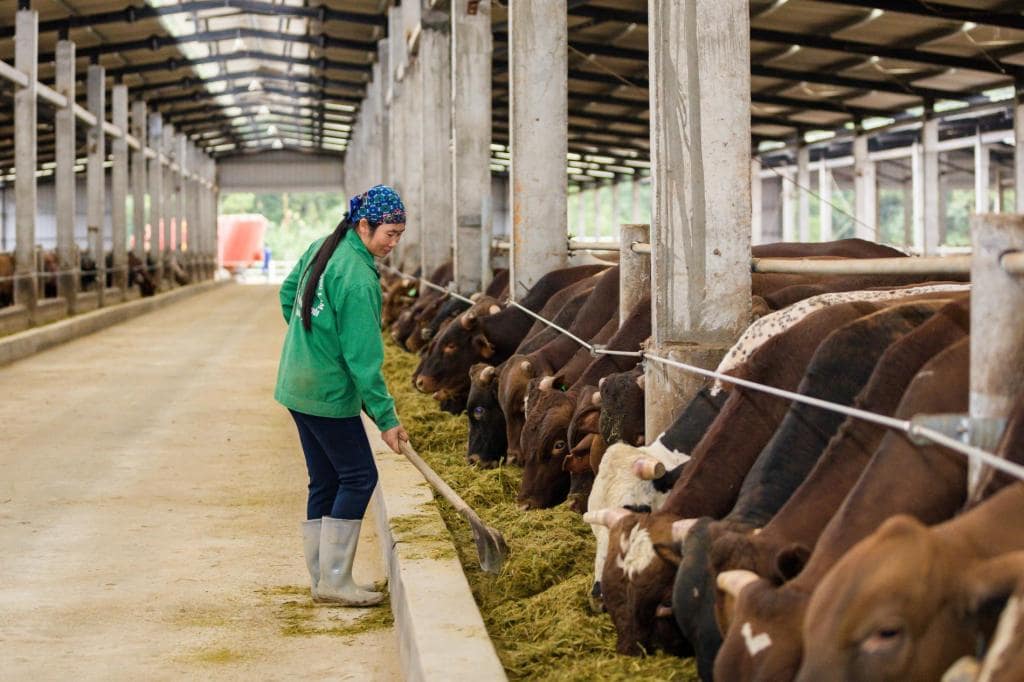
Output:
x=150 y=498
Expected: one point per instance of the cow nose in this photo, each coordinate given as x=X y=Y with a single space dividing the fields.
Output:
x=421 y=385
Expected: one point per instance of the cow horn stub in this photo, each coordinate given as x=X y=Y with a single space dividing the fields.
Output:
x=640 y=382
x=605 y=517
x=600 y=384
x=546 y=383
x=681 y=528
x=648 y=468
x=487 y=374
x=595 y=399
x=494 y=309
x=525 y=367
x=467 y=320
x=733 y=582
x=475 y=297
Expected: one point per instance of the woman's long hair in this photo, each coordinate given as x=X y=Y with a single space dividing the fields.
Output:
x=317 y=266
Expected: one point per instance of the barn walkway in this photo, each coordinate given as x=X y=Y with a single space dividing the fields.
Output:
x=150 y=496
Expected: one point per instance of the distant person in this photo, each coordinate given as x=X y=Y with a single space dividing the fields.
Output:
x=266 y=261
x=331 y=369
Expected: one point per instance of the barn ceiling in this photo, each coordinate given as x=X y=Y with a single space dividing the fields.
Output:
x=243 y=76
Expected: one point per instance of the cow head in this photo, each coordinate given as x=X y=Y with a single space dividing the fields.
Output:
x=892 y=608
x=448 y=357
x=586 y=447
x=763 y=641
x=487 y=444
x=399 y=294
x=516 y=374
x=545 y=444
x=622 y=407
x=636 y=584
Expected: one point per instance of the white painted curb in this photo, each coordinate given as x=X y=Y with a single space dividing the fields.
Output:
x=23 y=344
x=441 y=634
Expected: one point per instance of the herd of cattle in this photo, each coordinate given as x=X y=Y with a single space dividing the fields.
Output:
x=769 y=539
x=140 y=274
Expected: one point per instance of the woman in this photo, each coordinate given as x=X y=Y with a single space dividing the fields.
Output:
x=330 y=370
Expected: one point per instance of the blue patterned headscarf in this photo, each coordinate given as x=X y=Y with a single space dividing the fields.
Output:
x=379 y=204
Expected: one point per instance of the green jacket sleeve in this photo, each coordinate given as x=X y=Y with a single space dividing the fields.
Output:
x=363 y=352
x=289 y=289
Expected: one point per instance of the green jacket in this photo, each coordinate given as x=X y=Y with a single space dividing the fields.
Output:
x=333 y=370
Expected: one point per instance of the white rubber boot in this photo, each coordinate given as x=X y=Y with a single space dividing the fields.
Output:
x=311 y=549
x=338 y=541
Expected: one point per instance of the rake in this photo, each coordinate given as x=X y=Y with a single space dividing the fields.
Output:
x=490 y=545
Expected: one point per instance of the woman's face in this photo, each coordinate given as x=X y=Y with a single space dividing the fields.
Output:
x=381 y=241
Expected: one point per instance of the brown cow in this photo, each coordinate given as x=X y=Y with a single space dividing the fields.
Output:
x=927 y=482
x=897 y=605
x=492 y=339
x=6 y=279
x=549 y=408
x=710 y=481
x=589 y=311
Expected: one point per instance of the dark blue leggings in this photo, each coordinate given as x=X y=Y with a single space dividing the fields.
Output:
x=342 y=474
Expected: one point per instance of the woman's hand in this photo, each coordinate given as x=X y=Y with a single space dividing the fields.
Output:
x=394 y=437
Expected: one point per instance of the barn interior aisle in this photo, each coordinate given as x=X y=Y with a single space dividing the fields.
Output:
x=150 y=500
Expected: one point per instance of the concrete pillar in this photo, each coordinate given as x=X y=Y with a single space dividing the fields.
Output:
x=700 y=165
x=616 y=219
x=156 y=196
x=95 y=175
x=634 y=199
x=139 y=179
x=181 y=142
x=825 y=201
x=595 y=229
x=64 y=177
x=907 y=204
x=436 y=227
x=169 y=203
x=538 y=126
x=789 y=207
x=997 y=182
x=412 y=103
x=581 y=212
x=917 y=188
x=756 y=224
x=931 y=205
x=119 y=188
x=472 y=54
x=865 y=190
x=981 y=176
x=1018 y=153
x=26 y=39
x=803 y=179
x=997 y=355
x=384 y=101
x=634 y=268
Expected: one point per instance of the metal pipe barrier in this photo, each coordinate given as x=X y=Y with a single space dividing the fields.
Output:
x=909 y=427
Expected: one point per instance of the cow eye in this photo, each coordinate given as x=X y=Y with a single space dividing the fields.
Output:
x=478 y=412
x=450 y=348
x=883 y=640
x=559 y=447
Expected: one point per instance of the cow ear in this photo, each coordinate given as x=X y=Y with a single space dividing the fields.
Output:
x=483 y=347
x=990 y=584
x=668 y=553
x=790 y=560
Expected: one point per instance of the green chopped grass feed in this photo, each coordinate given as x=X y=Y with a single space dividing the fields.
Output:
x=536 y=610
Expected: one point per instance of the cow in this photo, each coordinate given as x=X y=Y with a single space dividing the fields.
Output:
x=6 y=279
x=1002 y=582
x=139 y=275
x=896 y=606
x=549 y=408
x=589 y=312
x=616 y=481
x=49 y=266
x=763 y=640
x=492 y=338
x=846 y=456
x=487 y=443
x=841 y=366
x=398 y=295
x=710 y=480
x=497 y=290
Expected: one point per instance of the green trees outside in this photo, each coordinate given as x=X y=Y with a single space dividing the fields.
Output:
x=296 y=218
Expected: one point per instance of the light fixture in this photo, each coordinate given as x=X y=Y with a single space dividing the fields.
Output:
x=254 y=84
x=277 y=144
x=264 y=110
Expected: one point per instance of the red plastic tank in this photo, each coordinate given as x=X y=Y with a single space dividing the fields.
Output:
x=240 y=240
